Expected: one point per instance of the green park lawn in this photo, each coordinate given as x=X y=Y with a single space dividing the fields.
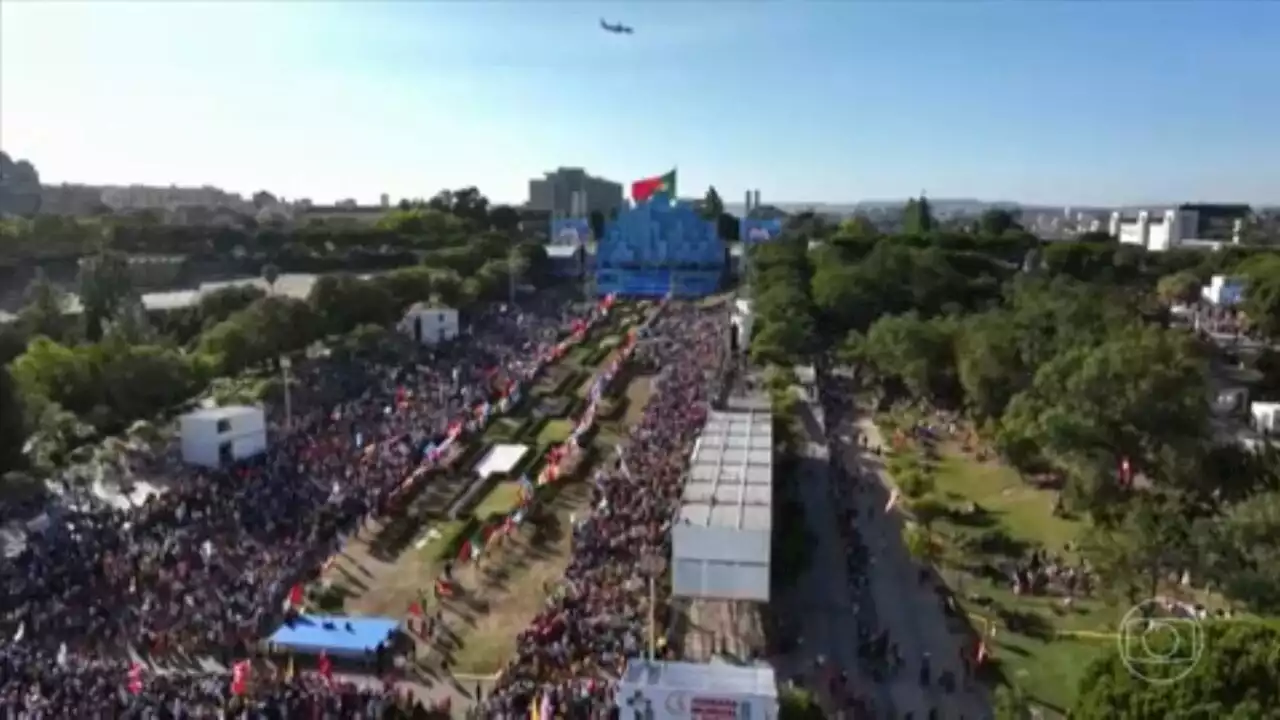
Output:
x=1049 y=658
x=503 y=498
x=554 y=431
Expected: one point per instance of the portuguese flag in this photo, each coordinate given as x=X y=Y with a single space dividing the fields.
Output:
x=642 y=190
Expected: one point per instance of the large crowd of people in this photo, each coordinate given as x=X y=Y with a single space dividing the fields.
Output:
x=203 y=568
x=598 y=619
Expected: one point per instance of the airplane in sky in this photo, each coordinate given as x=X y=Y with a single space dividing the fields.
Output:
x=618 y=29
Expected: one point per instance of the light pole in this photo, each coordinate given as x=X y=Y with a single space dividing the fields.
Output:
x=285 y=365
x=652 y=566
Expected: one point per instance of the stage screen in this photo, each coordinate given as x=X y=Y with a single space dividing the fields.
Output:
x=754 y=230
x=571 y=231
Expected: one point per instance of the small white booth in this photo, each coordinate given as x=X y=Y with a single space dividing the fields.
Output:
x=681 y=691
x=216 y=437
x=429 y=325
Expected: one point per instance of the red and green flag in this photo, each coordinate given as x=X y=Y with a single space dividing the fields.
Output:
x=642 y=190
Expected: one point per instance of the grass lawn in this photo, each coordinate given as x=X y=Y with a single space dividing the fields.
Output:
x=1045 y=664
x=555 y=431
x=503 y=498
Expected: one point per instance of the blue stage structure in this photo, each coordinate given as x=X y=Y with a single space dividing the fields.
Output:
x=658 y=248
x=339 y=636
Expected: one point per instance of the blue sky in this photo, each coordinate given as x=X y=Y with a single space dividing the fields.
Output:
x=1063 y=103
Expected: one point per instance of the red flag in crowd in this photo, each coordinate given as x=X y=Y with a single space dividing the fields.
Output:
x=240 y=677
x=326 y=667
x=444 y=588
x=295 y=596
x=415 y=609
x=135 y=678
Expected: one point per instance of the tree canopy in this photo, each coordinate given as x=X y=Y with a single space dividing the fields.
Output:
x=1065 y=364
x=108 y=362
x=1237 y=677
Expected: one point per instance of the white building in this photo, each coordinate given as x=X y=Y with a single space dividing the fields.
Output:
x=679 y=691
x=1264 y=416
x=1189 y=226
x=216 y=437
x=722 y=541
x=429 y=325
x=1223 y=290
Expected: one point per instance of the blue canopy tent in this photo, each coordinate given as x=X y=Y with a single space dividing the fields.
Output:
x=339 y=636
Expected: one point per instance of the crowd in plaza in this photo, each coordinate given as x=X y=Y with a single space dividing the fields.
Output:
x=597 y=620
x=203 y=568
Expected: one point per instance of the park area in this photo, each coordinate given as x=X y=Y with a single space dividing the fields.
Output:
x=982 y=521
x=503 y=540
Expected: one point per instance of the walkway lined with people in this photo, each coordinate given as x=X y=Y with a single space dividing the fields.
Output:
x=578 y=645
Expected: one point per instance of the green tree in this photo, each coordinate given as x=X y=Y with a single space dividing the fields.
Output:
x=1139 y=395
x=1178 y=289
x=104 y=283
x=44 y=311
x=1011 y=703
x=920 y=543
x=1262 y=293
x=916 y=352
x=1148 y=544
x=1240 y=550
x=989 y=365
x=798 y=704
x=1237 y=677
x=712 y=205
x=995 y=222
x=504 y=218
x=917 y=217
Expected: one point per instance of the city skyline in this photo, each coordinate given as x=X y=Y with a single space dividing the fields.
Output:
x=1038 y=104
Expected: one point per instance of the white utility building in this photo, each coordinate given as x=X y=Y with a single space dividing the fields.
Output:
x=429 y=325
x=216 y=437
x=722 y=540
x=713 y=691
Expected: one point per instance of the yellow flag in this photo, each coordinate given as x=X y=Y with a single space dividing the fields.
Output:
x=288 y=670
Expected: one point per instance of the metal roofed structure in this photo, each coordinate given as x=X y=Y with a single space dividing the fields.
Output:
x=722 y=540
x=682 y=690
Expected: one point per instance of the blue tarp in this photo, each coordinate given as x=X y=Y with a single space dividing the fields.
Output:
x=337 y=635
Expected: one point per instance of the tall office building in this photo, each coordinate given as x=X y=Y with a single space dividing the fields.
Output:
x=571 y=192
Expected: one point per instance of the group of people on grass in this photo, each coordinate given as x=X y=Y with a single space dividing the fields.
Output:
x=584 y=635
x=201 y=570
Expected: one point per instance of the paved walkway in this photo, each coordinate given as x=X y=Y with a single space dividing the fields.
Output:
x=821 y=598
x=912 y=614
